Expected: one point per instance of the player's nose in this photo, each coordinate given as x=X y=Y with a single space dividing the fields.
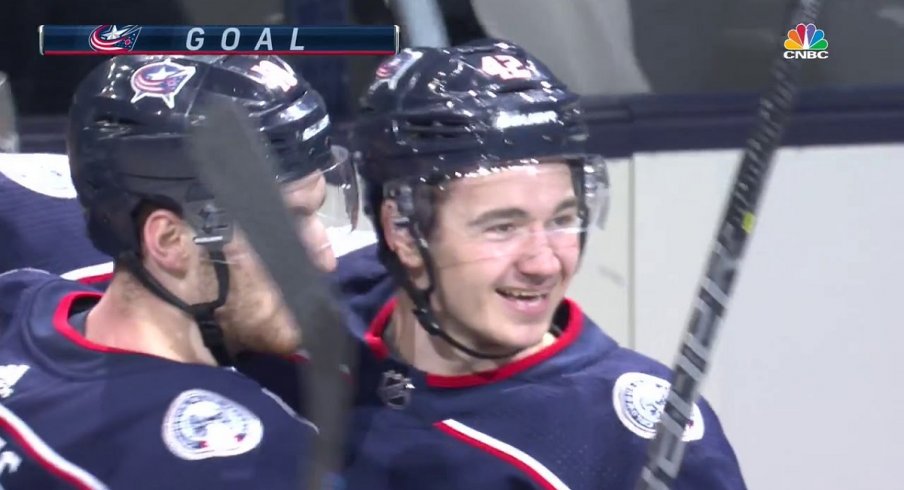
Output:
x=539 y=260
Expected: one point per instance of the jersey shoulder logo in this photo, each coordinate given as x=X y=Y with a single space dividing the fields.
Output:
x=41 y=173
x=201 y=424
x=639 y=400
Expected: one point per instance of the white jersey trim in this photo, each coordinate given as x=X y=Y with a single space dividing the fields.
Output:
x=46 y=456
x=524 y=461
x=88 y=272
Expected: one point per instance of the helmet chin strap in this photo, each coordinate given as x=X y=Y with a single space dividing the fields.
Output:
x=203 y=313
x=421 y=297
x=427 y=318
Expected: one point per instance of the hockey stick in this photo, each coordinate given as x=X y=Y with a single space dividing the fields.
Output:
x=234 y=164
x=695 y=353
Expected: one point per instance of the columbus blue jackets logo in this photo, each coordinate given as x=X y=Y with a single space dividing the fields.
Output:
x=390 y=71
x=639 y=400
x=113 y=39
x=201 y=424
x=162 y=80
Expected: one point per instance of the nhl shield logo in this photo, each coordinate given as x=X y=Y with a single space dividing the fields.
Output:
x=395 y=390
x=201 y=424
x=162 y=80
x=639 y=400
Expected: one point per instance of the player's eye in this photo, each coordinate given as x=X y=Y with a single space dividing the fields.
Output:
x=500 y=231
x=565 y=221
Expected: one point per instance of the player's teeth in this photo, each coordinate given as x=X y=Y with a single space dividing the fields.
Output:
x=520 y=294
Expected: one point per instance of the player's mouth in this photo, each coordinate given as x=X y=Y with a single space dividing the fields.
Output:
x=526 y=301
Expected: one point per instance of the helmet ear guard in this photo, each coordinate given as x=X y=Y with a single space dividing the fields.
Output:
x=592 y=185
x=212 y=225
x=403 y=195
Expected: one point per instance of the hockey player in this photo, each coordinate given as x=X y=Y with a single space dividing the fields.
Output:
x=129 y=386
x=480 y=373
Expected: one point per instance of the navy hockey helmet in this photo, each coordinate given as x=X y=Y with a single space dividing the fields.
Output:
x=130 y=117
x=437 y=114
x=127 y=142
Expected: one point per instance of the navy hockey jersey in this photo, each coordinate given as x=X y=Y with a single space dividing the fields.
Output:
x=129 y=420
x=577 y=415
x=41 y=221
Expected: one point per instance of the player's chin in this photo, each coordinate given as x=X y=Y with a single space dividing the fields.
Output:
x=325 y=259
x=517 y=335
x=519 y=332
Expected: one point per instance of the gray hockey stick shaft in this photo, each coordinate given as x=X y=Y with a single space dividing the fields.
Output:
x=234 y=164
x=695 y=353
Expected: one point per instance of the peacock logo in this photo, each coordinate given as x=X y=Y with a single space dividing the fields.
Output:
x=806 y=42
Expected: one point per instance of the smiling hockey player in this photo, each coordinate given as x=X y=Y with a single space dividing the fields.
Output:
x=479 y=372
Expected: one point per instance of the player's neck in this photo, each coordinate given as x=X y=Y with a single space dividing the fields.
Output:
x=131 y=318
x=434 y=355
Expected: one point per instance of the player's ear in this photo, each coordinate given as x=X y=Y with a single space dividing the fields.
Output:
x=166 y=241
x=398 y=239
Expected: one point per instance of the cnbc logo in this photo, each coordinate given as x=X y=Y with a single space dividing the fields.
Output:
x=806 y=42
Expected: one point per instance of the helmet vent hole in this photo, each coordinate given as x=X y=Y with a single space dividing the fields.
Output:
x=428 y=127
x=516 y=86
